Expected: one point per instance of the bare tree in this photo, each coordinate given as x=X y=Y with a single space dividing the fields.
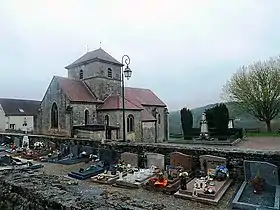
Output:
x=256 y=89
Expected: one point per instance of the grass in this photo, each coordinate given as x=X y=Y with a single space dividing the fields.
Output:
x=262 y=134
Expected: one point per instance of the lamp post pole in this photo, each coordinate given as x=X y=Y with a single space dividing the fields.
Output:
x=125 y=73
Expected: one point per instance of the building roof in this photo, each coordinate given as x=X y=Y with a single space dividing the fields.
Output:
x=114 y=102
x=98 y=54
x=19 y=107
x=146 y=116
x=76 y=90
x=143 y=97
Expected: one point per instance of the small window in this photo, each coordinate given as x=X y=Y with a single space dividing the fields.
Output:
x=12 y=126
x=81 y=74
x=21 y=110
x=130 y=123
x=106 y=120
x=158 y=118
x=110 y=73
x=86 y=117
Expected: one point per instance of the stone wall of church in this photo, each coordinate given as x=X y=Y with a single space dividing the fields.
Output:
x=149 y=131
x=115 y=118
x=54 y=94
x=160 y=125
x=79 y=113
x=95 y=75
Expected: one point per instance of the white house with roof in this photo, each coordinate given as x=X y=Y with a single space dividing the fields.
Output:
x=18 y=114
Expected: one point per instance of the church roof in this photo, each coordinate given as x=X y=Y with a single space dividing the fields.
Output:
x=76 y=90
x=98 y=54
x=143 y=97
x=19 y=107
x=114 y=102
x=146 y=116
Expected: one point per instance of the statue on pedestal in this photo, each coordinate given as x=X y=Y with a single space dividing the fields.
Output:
x=204 y=132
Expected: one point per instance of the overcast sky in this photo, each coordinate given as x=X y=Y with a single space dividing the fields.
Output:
x=183 y=50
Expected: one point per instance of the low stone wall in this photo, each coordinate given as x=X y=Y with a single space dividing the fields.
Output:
x=38 y=191
x=234 y=155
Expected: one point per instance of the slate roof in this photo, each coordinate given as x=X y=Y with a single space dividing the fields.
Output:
x=146 y=116
x=76 y=90
x=98 y=54
x=19 y=107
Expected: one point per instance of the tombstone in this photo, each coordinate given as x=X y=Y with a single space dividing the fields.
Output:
x=87 y=149
x=208 y=163
x=25 y=141
x=130 y=158
x=267 y=171
x=155 y=159
x=204 y=132
x=17 y=142
x=74 y=150
x=180 y=159
x=106 y=155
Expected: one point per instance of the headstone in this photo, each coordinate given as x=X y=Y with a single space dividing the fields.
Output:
x=267 y=171
x=204 y=132
x=208 y=163
x=106 y=155
x=74 y=150
x=25 y=141
x=180 y=159
x=130 y=158
x=87 y=149
x=155 y=159
x=17 y=142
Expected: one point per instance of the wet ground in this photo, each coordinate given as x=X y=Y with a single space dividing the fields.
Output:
x=169 y=201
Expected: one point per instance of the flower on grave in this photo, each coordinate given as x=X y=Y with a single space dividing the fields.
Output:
x=222 y=173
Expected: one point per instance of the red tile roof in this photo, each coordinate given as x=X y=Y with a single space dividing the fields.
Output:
x=146 y=116
x=143 y=96
x=114 y=102
x=75 y=90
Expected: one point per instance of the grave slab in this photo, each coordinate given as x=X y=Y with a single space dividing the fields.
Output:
x=269 y=197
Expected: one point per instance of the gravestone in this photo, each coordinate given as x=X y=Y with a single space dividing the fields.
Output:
x=64 y=149
x=17 y=141
x=89 y=150
x=180 y=159
x=130 y=158
x=74 y=150
x=106 y=155
x=155 y=159
x=266 y=170
x=208 y=163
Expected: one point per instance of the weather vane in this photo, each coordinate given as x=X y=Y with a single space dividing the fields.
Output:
x=100 y=44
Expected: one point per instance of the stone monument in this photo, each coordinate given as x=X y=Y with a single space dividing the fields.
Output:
x=204 y=132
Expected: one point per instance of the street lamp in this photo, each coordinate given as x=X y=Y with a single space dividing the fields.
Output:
x=126 y=73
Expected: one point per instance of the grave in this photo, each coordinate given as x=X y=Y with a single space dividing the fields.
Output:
x=211 y=185
x=110 y=176
x=136 y=178
x=93 y=170
x=260 y=189
x=179 y=163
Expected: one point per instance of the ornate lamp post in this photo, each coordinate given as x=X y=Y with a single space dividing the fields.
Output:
x=126 y=73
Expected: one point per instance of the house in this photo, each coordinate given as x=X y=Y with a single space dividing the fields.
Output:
x=88 y=104
x=18 y=114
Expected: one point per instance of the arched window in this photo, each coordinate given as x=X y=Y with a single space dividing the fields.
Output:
x=130 y=123
x=54 y=116
x=86 y=116
x=158 y=118
x=81 y=74
x=110 y=73
x=106 y=119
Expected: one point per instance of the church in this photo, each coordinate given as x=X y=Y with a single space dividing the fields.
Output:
x=88 y=104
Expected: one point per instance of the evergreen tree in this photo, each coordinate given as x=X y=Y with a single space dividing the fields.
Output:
x=186 y=121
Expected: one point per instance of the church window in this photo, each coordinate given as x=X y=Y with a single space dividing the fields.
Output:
x=81 y=74
x=54 y=116
x=106 y=120
x=158 y=118
x=130 y=123
x=110 y=73
x=86 y=116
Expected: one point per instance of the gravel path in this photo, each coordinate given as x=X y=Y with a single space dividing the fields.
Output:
x=169 y=201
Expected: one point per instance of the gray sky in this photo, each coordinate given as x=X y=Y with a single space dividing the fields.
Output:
x=183 y=50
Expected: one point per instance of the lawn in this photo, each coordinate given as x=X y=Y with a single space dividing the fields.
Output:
x=272 y=134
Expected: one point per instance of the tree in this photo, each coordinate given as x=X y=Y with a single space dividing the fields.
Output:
x=186 y=121
x=210 y=117
x=221 y=118
x=256 y=89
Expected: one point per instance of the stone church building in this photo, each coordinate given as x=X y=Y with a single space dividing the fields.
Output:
x=88 y=104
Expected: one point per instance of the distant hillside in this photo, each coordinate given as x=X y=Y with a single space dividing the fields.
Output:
x=242 y=119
